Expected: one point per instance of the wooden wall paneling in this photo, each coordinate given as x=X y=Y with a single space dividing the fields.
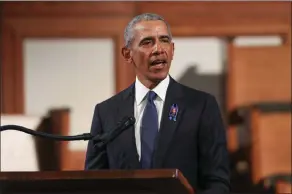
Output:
x=283 y=187
x=222 y=18
x=55 y=19
x=64 y=28
x=19 y=76
x=61 y=9
x=187 y=19
x=47 y=158
x=219 y=9
x=75 y=160
x=69 y=27
x=271 y=144
x=60 y=125
x=8 y=90
x=230 y=87
x=211 y=27
x=259 y=74
x=53 y=154
x=255 y=75
x=232 y=139
x=232 y=134
x=287 y=39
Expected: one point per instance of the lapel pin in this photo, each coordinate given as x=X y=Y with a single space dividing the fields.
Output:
x=173 y=112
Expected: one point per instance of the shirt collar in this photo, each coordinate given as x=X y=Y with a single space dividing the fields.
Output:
x=160 y=90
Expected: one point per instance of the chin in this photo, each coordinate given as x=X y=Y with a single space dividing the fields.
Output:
x=159 y=76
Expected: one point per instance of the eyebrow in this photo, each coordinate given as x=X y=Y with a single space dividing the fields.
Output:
x=151 y=38
x=147 y=38
x=165 y=36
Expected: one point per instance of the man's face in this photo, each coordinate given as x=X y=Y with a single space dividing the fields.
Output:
x=151 y=51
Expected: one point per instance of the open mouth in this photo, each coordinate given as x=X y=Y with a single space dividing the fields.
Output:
x=158 y=62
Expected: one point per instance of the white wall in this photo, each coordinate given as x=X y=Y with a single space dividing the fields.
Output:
x=207 y=53
x=74 y=73
x=258 y=41
x=17 y=149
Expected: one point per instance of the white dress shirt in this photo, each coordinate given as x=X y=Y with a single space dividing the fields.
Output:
x=140 y=103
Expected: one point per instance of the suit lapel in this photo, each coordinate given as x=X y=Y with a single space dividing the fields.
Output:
x=168 y=127
x=126 y=108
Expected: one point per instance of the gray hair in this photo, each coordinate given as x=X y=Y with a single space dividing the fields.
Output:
x=128 y=34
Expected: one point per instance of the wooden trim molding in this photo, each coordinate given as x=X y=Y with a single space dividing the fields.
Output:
x=222 y=18
x=17 y=29
x=8 y=70
x=68 y=27
x=60 y=125
x=61 y=9
x=19 y=76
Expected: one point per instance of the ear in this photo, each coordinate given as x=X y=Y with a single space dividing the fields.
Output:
x=127 y=54
x=172 y=50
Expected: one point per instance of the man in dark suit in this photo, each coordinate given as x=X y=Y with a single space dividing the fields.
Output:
x=176 y=126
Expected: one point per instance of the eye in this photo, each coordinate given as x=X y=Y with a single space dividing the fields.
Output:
x=165 y=40
x=145 y=42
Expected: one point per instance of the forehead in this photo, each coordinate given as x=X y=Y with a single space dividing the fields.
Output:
x=150 y=28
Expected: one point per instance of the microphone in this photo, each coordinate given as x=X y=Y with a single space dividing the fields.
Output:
x=101 y=139
x=105 y=138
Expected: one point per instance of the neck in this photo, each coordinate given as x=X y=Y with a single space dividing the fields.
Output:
x=149 y=83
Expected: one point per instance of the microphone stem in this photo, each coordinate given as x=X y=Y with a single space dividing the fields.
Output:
x=85 y=136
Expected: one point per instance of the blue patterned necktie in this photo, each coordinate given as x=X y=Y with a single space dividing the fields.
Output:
x=149 y=130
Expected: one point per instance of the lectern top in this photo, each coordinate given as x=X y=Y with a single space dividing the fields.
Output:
x=104 y=181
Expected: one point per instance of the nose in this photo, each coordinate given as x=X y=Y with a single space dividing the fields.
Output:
x=158 y=49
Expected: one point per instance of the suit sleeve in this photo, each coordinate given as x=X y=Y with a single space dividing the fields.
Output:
x=213 y=154
x=96 y=158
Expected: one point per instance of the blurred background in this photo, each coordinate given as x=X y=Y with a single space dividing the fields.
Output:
x=59 y=59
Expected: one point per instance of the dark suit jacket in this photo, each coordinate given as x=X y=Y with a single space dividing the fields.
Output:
x=195 y=143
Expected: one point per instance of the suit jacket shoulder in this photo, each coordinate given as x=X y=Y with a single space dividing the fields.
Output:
x=113 y=102
x=193 y=97
x=113 y=109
